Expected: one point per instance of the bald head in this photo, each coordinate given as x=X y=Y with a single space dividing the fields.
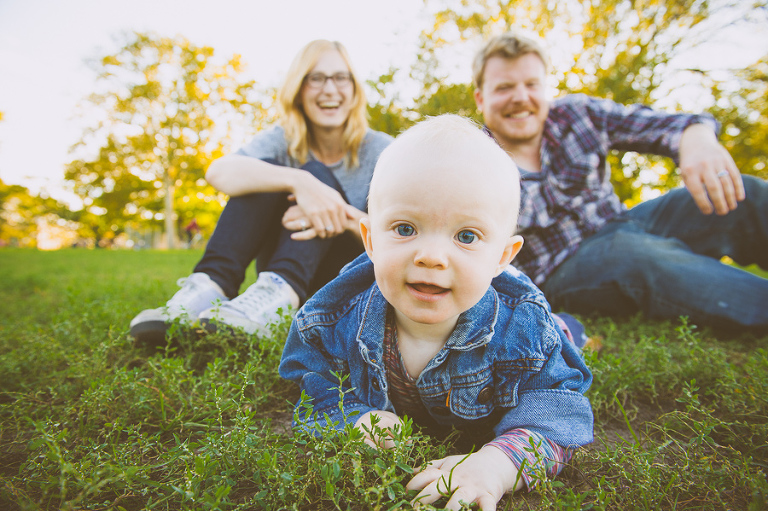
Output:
x=448 y=156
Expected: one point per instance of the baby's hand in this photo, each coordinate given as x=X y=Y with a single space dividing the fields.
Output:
x=482 y=477
x=386 y=421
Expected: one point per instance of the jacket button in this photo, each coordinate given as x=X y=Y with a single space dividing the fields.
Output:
x=485 y=395
x=441 y=411
x=376 y=385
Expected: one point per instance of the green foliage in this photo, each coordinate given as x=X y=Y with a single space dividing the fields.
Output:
x=451 y=98
x=168 y=110
x=627 y=51
x=384 y=114
x=19 y=213
x=204 y=422
x=743 y=113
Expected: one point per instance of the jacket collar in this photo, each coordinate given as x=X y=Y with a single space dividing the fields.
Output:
x=474 y=328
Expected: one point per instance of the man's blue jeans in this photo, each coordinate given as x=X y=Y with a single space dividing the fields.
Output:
x=662 y=257
x=250 y=228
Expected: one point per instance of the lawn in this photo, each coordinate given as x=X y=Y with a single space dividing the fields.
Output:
x=88 y=420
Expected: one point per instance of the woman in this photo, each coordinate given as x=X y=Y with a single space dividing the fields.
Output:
x=297 y=193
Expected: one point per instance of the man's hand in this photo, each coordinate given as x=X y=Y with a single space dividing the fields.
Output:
x=386 y=421
x=482 y=477
x=709 y=172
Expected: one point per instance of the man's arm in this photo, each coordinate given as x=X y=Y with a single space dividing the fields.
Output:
x=709 y=172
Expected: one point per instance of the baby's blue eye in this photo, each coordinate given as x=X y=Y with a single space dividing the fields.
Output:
x=466 y=237
x=405 y=230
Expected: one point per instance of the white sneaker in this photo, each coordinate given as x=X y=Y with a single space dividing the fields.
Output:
x=256 y=308
x=198 y=292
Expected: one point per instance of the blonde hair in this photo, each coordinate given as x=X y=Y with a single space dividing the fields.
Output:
x=509 y=45
x=291 y=114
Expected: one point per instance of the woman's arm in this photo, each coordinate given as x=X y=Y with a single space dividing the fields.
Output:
x=235 y=174
x=323 y=207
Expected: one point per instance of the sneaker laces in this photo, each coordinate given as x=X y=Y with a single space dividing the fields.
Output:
x=260 y=300
x=184 y=298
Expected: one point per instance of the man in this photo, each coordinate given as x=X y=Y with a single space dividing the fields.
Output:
x=582 y=247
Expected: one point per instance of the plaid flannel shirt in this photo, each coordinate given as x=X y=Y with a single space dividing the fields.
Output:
x=572 y=197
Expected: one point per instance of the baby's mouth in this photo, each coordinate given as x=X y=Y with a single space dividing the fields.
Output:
x=428 y=289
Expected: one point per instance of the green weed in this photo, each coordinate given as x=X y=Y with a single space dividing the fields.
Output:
x=89 y=420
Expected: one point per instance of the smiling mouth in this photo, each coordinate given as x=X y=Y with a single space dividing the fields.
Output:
x=428 y=289
x=327 y=105
x=519 y=115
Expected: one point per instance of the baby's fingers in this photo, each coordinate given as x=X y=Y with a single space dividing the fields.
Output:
x=427 y=475
x=431 y=493
x=468 y=496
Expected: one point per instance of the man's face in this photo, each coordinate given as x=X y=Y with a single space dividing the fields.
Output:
x=512 y=99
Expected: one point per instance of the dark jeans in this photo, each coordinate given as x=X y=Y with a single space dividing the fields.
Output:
x=250 y=228
x=662 y=257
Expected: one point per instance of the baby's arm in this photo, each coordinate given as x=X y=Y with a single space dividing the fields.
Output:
x=482 y=477
x=533 y=454
x=386 y=421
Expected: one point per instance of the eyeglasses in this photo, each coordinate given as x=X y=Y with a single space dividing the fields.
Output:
x=317 y=80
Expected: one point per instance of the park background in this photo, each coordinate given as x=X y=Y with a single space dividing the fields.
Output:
x=110 y=112
x=147 y=93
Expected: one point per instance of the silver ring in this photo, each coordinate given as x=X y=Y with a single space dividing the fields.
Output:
x=328 y=228
x=303 y=225
x=723 y=173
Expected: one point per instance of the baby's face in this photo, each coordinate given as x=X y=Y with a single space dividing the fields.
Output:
x=438 y=233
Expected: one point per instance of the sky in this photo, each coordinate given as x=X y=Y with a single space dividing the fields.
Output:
x=44 y=45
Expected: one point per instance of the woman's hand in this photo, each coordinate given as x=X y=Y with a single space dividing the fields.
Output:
x=482 y=477
x=324 y=209
x=294 y=219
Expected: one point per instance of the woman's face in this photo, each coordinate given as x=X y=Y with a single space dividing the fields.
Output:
x=327 y=92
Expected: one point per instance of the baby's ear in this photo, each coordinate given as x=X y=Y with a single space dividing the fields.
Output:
x=514 y=244
x=365 y=234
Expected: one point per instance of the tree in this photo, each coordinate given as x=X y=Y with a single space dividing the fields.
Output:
x=743 y=114
x=384 y=112
x=631 y=51
x=19 y=212
x=167 y=110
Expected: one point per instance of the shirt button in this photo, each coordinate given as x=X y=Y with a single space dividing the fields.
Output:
x=376 y=385
x=441 y=411
x=485 y=395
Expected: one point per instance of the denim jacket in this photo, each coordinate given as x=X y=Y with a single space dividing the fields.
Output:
x=506 y=365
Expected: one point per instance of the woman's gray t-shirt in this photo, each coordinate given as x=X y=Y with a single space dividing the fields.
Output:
x=271 y=145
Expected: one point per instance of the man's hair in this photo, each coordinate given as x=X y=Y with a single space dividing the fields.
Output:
x=291 y=114
x=509 y=45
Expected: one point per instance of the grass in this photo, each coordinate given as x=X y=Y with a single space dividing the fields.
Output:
x=88 y=420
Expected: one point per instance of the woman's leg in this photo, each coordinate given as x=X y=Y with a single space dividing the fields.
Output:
x=248 y=226
x=244 y=229
x=289 y=270
x=300 y=262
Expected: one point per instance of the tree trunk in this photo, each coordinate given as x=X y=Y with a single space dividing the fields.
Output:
x=170 y=225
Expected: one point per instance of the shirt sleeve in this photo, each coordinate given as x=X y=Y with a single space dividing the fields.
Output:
x=549 y=399
x=535 y=456
x=643 y=129
x=269 y=144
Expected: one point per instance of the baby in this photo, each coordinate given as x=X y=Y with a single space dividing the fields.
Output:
x=433 y=323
